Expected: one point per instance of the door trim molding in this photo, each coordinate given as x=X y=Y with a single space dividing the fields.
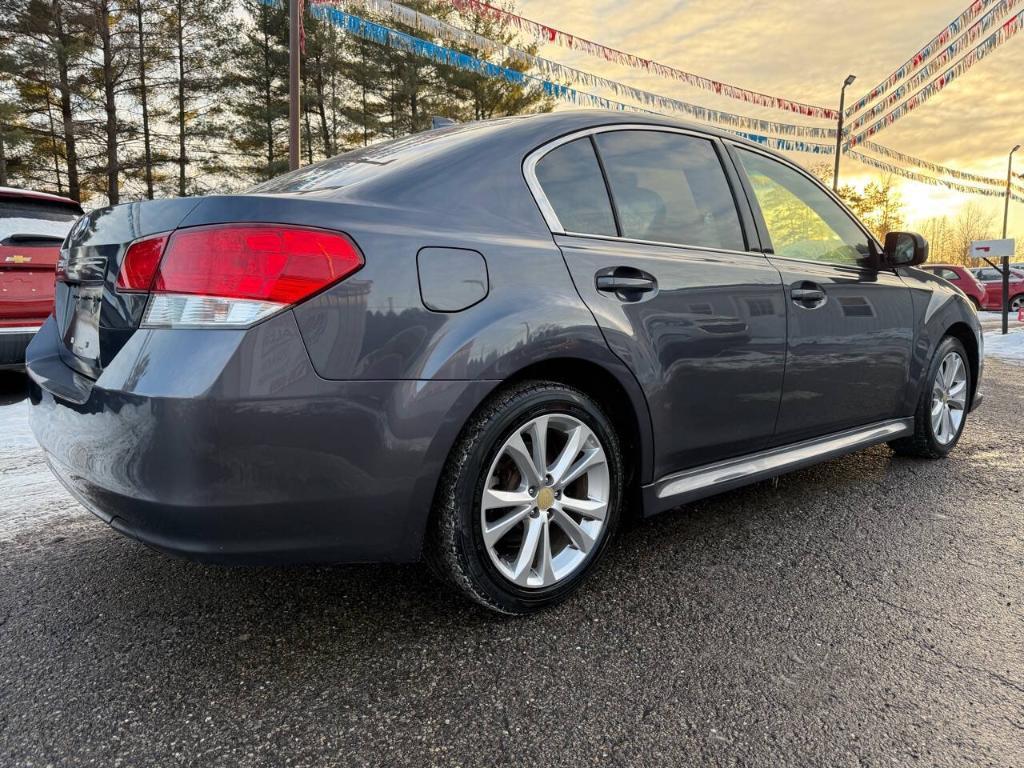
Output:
x=699 y=482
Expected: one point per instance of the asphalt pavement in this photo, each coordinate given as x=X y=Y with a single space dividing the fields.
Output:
x=867 y=611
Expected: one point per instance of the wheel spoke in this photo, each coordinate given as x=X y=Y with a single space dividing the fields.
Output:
x=947 y=422
x=496 y=499
x=538 y=431
x=569 y=452
x=495 y=531
x=547 y=569
x=527 y=551
x=590 y=459
x=590 y=508
x=579 y=537
x=517 y=451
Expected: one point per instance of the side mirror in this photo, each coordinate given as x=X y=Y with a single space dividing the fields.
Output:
x=904 y=249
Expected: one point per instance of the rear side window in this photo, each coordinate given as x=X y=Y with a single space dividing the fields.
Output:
x=670 y=188
x=34 y=223
x=572 y=182
x=947 y=274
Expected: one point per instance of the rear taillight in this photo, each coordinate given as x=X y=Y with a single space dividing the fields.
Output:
x=139 y=264
x=233 y=275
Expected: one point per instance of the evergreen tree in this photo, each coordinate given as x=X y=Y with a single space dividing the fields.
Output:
x=260 y=80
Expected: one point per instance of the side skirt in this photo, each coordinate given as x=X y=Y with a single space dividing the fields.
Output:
x=699 y=482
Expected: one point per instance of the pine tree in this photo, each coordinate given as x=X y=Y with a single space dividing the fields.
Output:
x=260 y=102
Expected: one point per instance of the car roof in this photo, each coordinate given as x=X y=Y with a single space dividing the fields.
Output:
x=482 y=144
x=17 y=194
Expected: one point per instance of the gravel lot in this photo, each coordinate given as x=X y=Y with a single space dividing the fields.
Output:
x=864 y=612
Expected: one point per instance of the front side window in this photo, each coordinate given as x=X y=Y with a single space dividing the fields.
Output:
x=803 y=221
x=573 y=184
x=670 y=188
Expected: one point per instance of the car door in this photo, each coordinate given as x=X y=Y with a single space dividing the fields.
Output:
x=649 y=226
x=850 y=334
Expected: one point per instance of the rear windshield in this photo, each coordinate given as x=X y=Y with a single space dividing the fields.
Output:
x=29 y=223
x=352 y=167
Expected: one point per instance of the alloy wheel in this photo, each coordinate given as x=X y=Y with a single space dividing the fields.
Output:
x=949 y=398
x=545 y=501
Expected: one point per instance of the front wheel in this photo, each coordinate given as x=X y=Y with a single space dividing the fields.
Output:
x=1016 y=302
x=529 y=499
x=942 y=410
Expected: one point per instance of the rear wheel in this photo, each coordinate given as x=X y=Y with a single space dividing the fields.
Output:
x=942 y=409
x=529 y=499
x=1016 y=302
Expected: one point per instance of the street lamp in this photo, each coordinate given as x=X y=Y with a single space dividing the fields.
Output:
x=839 y=131
x=1006 y=259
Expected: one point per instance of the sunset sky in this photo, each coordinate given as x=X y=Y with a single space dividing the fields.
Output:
x=803 y=50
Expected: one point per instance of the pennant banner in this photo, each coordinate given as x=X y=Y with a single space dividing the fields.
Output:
x=925 y=179
x=948 y=54
x=951 y=31
x=552 y=70
x=443 y=55
x=392 y=38
x=990 y=44
x=942 y=170
x=546 y=34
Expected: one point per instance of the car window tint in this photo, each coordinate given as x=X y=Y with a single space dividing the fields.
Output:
x=20 y=220
x=948 y=274
x=572 y=182
x=670 y=188
x=803 y=221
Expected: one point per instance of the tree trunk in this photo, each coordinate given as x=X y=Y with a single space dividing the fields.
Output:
x=3 y=158
x=268 y=104
x=182 y=158
x=67 y=119
x=144 y=102
x=109 y=105
x=53 y=144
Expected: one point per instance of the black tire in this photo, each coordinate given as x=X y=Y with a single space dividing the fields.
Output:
x=455 y=546
x=923 y=443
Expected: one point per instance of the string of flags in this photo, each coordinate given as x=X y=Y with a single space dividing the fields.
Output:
x=551 y=70
x=326 y=10
x=985 y=48
x=544 y=33
x=946 y=55
x=942 y=170
x=951 y=31
x=925 y=179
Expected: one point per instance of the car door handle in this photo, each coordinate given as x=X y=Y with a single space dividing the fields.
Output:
x=808 y=296
x=616 y=283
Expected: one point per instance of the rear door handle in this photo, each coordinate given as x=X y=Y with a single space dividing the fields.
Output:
x=615 y=284
x=808 y=295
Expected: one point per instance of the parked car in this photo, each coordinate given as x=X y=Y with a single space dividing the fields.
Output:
x=962 y=278
x=482 y=345
x=992 y=279
x=32 y=227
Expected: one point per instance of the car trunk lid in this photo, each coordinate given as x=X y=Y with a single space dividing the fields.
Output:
x=93 y=319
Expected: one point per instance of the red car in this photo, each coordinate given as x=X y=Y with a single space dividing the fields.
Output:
x=992 y=279
x=963 y=279
x=32 y=228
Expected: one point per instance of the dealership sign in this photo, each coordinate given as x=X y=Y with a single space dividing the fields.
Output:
x=991 y=249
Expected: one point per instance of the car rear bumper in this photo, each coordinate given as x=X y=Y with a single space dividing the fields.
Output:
x=226 y=446
x=13 y=342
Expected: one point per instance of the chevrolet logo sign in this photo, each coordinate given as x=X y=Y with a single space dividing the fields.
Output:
x=18 y=259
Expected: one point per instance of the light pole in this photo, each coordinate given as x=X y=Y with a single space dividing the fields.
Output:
x=839 y=131
x=1006 y=259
